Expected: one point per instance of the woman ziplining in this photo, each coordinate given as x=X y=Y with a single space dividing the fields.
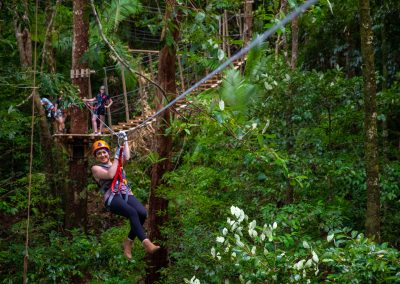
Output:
x=118 y=197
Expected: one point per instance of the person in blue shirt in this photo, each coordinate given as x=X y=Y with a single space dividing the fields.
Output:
x=101 y=102
x=48 y=106
x=60 y=114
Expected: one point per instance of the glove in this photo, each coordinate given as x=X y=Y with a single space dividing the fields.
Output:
x=122 y=135
x=117 y=153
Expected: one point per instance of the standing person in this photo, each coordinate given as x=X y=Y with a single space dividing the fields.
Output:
x=48 y=106
x=60 y=114
x=123 y=202
x=102 y=101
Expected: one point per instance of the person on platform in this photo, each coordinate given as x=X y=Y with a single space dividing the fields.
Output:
x=101 y=102
x=60 y=114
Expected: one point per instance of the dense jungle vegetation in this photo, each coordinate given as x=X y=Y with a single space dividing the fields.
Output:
x=288 y=171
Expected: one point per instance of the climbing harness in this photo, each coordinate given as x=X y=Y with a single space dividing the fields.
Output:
x=118 y=180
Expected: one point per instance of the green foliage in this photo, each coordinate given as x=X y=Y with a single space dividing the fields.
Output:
x=247 y=253
x=79 y=258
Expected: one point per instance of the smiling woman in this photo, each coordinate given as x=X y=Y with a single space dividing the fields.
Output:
x=119 y=199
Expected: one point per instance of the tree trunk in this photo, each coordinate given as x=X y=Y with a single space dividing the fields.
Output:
x=248 y=21
x=385 y=77
x=372 y=221
x=166 y=79
x=281 y=40
x=295 y=42
x=76 y=195
x=46 y=142
x=23 y=36
x=25 y=51
x=47 y=52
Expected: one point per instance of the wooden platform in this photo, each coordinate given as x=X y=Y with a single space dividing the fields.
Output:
x=72 y=136
x=133 y=124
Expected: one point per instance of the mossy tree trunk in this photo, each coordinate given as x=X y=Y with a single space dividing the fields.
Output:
x=372 y=220
x=248 y=21
x=163 y=144
x=24 y=43
x=76 y=196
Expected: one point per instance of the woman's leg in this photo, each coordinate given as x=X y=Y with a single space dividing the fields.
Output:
x=141 y=210
x=102 y=118
x=120 y=207
x=94 y=123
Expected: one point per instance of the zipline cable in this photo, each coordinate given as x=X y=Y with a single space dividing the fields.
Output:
x=26 y=256
x=261 y=38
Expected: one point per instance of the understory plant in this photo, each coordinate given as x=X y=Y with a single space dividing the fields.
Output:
x=249 y=253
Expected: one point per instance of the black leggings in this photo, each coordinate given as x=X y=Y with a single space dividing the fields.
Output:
x=133 y=210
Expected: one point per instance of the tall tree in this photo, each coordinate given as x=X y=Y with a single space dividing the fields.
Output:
x=166 y=79
x=24 y=43
x=248 y=20
x=47 y=52
x=372 y=220
x=23 y=35
x=76 y=198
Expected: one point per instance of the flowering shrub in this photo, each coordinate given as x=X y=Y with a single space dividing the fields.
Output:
x=263 y=254
x=259 y=254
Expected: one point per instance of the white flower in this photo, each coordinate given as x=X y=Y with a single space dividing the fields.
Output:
x=262 y=236
x=239 y=243
x=308 y=263
x=233 y=254
x=274 y=225
x=213 y=252
x=220 y=239
x=315 y=257
x=221 y=105
x=238 y=213
x=253 y=250
x=253 y=125
x=224 y=231
x=330 y=237
x=234 y=226
x=233 y=210
x=193 y=280
x=252 y=224
x=299 y=265
x=252 y=233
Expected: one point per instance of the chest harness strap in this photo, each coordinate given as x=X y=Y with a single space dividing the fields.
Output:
x=118 y=180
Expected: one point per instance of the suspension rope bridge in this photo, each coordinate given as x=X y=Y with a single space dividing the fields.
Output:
x=211 y=80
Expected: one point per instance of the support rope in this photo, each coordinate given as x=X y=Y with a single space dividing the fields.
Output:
x=26 y=256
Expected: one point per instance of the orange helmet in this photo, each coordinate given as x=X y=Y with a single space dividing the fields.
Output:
x=99 y=144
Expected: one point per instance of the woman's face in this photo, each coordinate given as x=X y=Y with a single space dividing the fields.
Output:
x=102 y=156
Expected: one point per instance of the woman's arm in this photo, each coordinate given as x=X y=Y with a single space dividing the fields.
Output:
x=127 y=152
x=88 y=100
x=102 y=173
